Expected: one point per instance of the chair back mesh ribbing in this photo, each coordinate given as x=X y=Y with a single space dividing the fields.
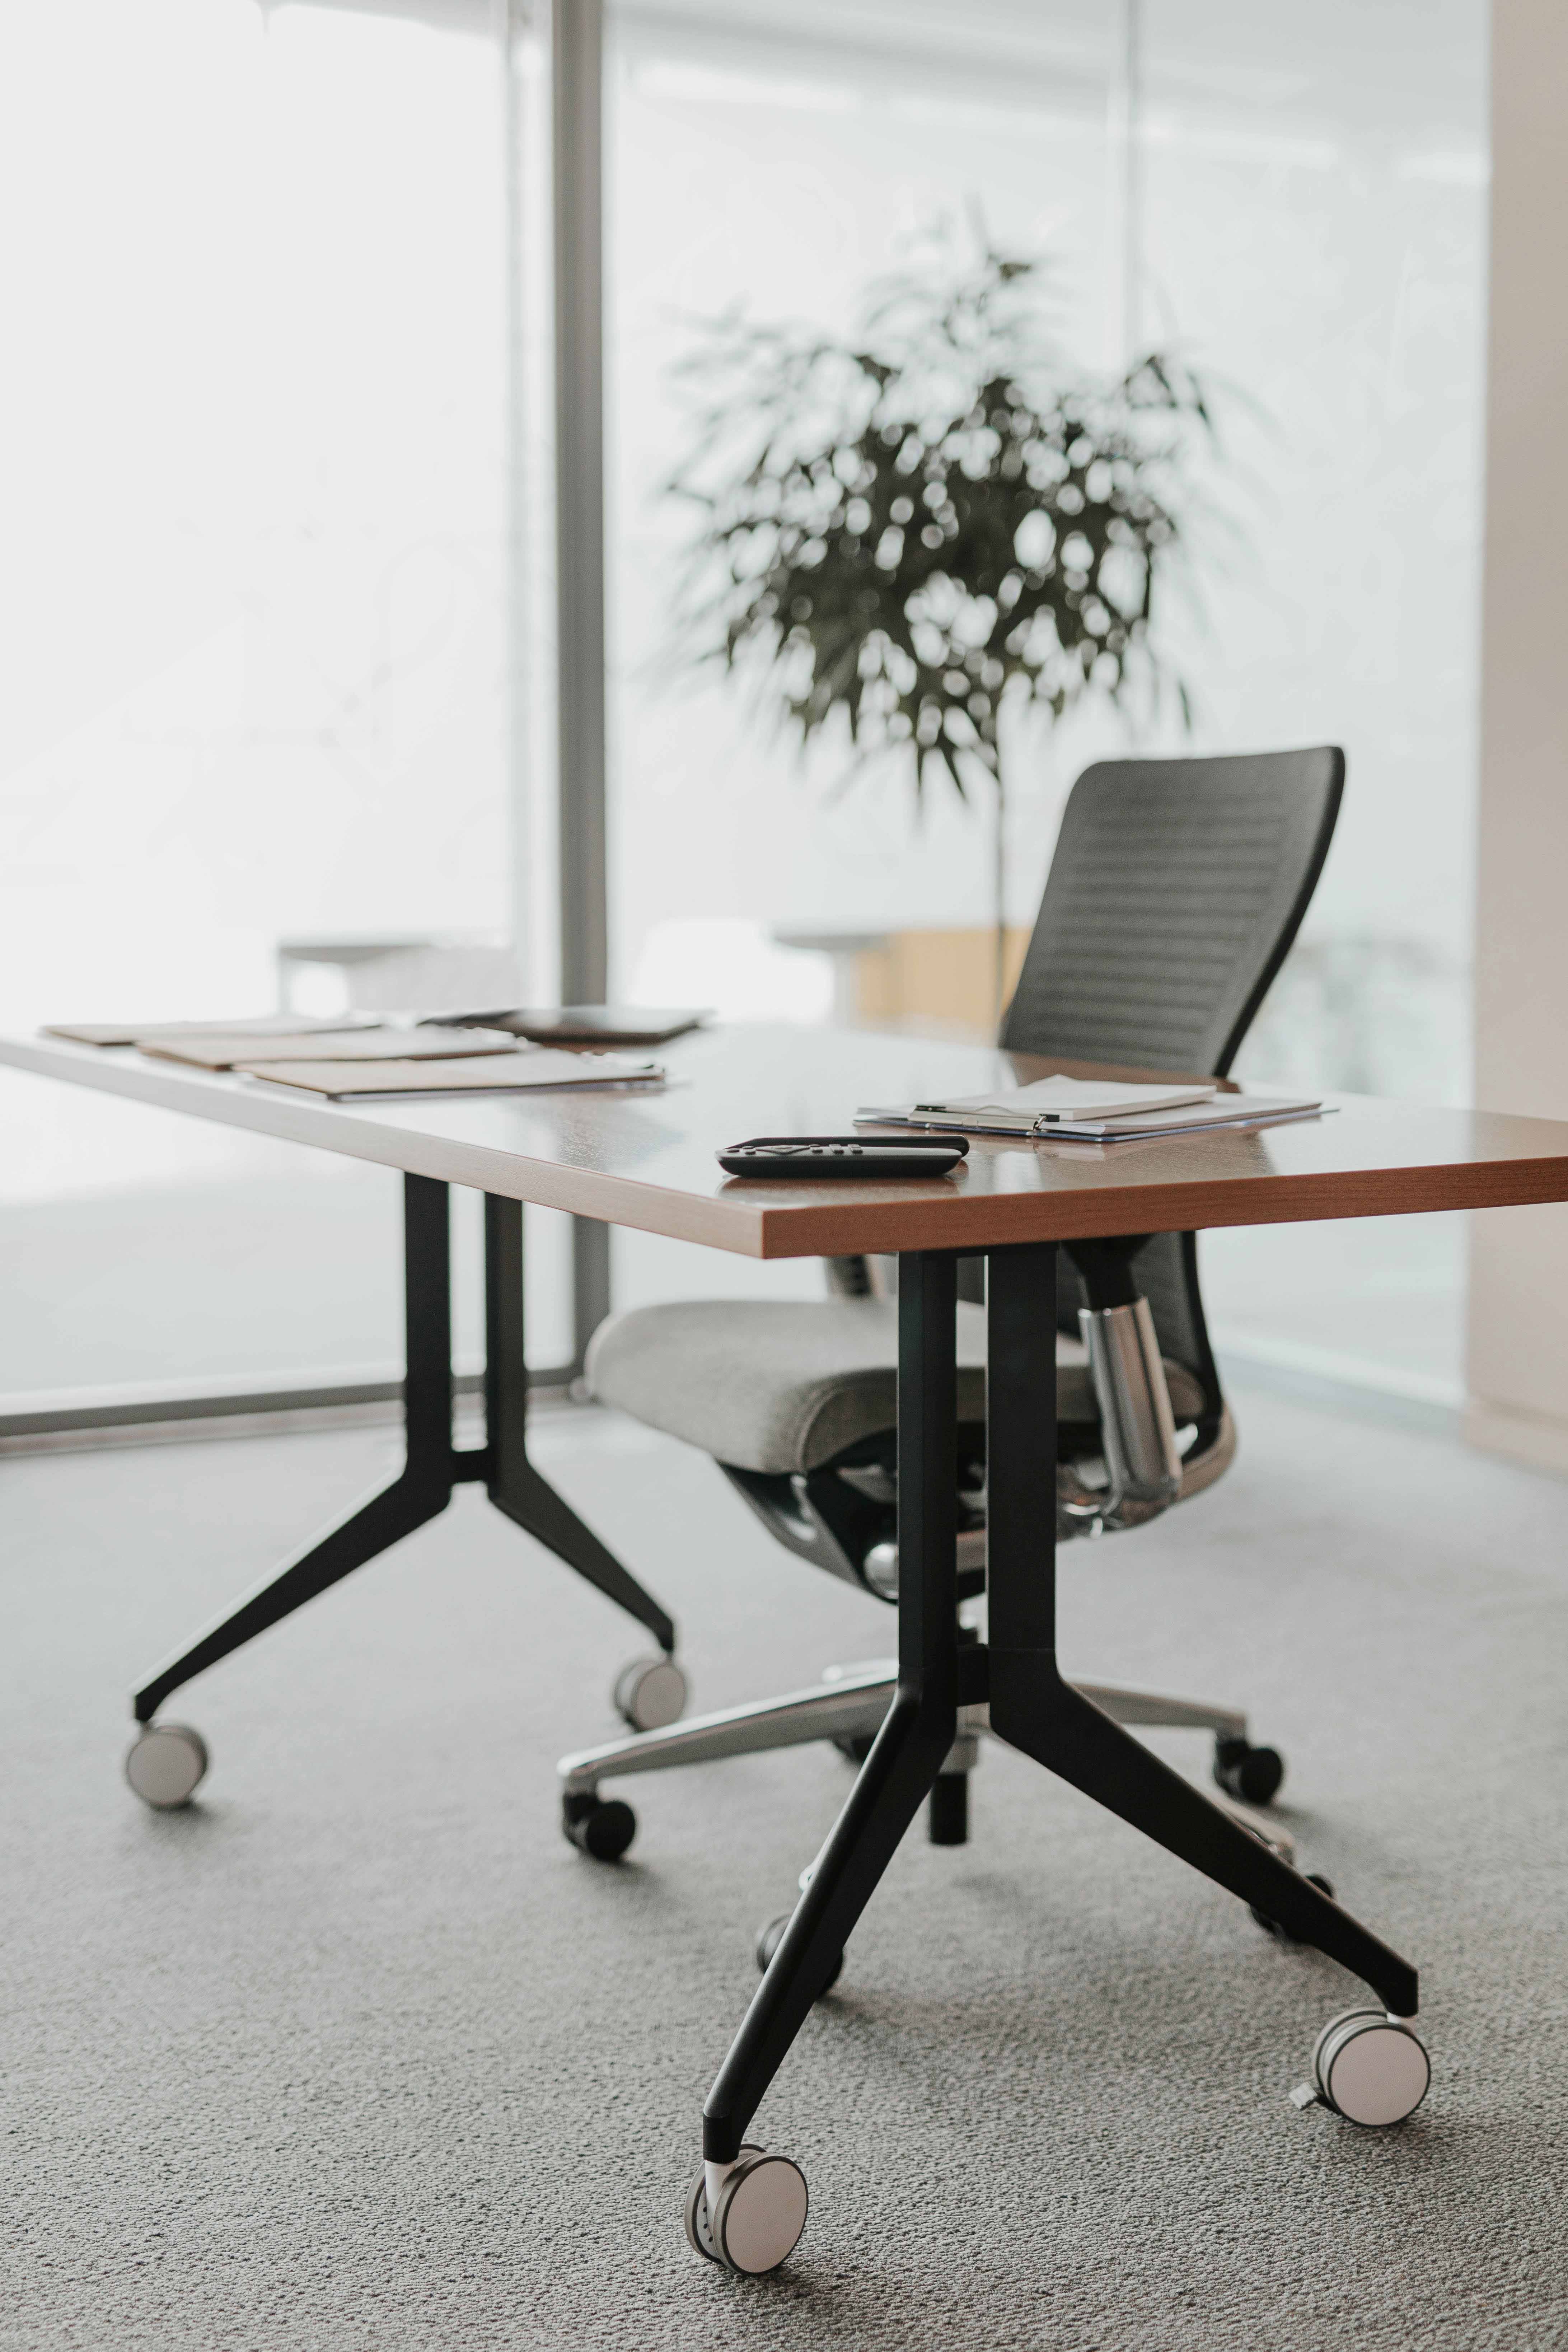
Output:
x=1176 y=891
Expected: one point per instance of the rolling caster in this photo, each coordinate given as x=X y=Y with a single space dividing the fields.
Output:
x=1369 y=2067
x=947 y=1810
x=757 y=2217
x=1252 y=1775
x=165 y=1765
x=769 y=1938
x=650 y=1693
x=857 y=1747
x=1272 y=1926
x=602 y=1827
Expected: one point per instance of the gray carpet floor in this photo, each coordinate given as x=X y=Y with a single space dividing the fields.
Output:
x=357 y=2052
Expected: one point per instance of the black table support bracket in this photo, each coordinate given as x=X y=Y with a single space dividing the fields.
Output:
x=918 y=1730
x=1036 y=1710
x=514 y=1485
x=1032 y=1706
x=432 y=1465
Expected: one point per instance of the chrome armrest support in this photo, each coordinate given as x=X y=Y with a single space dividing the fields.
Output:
x=1137 y=1427
x=1145 y=1471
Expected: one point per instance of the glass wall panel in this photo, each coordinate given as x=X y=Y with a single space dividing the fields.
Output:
x=252 y=588
x=1295 y=206
x=254 y=566
x=783 y=161
x=1312 y=221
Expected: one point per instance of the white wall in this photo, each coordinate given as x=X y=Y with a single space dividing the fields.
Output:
x=1519 y=1312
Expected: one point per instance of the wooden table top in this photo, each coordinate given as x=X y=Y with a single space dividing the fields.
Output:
x=647 y=1160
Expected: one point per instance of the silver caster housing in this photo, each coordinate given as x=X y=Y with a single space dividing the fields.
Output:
x=1369 y=2067
x=757 y=2216
x=650 y=1693
x=165 y=1764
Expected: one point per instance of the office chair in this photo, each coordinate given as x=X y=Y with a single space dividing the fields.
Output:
x=1176 y=891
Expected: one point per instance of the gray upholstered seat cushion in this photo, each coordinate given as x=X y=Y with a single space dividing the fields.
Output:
x=785 y=1384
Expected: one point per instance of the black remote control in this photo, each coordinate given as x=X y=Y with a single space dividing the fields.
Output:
x=844 y=1155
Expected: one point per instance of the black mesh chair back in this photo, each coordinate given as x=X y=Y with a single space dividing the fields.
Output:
x=1176 y=889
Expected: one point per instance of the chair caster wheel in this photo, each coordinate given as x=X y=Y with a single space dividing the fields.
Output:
x=603 y=1827
x=1252 y=1775
x=947 y=1810
x=165 y=1765
x=1272 y=1926
x=856 y=1748
x=771 y=1936
x=1369 y=2067
x=650 y=1693
x=759 y=2217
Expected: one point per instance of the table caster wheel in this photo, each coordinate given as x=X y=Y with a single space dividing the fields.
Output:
x=759 y=2217
x=698 y=2234
x=771 y=1936
x=1369 y=2067
x=600 y=1826
x=650 y=1693
x=1253 y=1774
x=165 y=1765
x=1272 y=1926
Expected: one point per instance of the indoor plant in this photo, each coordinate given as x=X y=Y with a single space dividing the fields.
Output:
x=932 y=520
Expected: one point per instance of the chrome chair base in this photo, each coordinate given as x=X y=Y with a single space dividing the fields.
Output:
x=849 y=1705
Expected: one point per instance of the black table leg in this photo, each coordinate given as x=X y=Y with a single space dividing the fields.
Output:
x=917 y=1732
x=422 y=1489
x=514 y=1485
x=432 y=1465
x=1034 y=1710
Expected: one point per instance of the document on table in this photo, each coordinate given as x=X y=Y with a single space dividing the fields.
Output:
x=1192 y=1112
x=236 y=1051
x=528 y=1070
x=252 y=1025
x=1046 y=1103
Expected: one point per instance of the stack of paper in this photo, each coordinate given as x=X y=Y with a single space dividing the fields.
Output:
x=252 y=1025
x=1090 y=1110
x=240 y=1051
x=524 y=1070
x=360 y=1054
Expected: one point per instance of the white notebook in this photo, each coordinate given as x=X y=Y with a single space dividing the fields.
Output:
x=237 y=1052
x=1221 y=1111
x=1210 y=1113
x=1045 y=1104
x=252 y=1025
x=539 y=1070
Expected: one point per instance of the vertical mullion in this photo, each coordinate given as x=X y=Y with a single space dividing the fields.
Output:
x=577 y=194
x=577 y=185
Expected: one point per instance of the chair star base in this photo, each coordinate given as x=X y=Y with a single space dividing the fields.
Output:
x=847 y=1709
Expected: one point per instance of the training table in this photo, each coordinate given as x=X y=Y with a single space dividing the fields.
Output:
x=646 y=1160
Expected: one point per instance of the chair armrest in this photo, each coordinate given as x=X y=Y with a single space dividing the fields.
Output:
x=1144 y=1471
x=1138 y=1429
